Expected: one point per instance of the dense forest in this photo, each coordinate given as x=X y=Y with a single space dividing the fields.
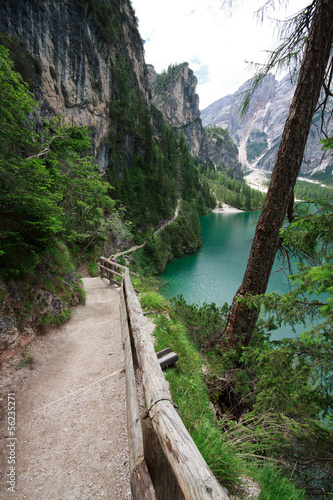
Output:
x=233 y=192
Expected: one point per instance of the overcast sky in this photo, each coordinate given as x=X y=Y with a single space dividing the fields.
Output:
x=215 y=41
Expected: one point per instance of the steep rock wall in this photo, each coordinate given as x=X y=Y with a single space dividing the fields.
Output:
x=174 y=95
x=79 y=62
x=223 y=152
x=176 y=98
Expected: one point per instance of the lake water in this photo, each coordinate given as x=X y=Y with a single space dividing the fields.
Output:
x=215 y=271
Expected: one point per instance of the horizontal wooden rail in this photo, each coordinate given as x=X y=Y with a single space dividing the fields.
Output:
x=140 y=480
x=104 y=259
x=177 y=468
x=112 y=271
x=165 y=463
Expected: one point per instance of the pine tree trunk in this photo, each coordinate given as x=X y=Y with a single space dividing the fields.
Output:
x=242 y=320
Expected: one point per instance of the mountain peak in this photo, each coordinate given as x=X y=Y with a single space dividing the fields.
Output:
x=258 y=133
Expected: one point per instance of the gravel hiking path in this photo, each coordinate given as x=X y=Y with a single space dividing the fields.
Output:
x=136 y=247
x=71 y=432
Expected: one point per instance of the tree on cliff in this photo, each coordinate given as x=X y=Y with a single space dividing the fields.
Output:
x=315 y=74
x=48 y=187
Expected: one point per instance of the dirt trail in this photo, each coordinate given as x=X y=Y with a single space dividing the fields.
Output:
x=71 y=409
x=136 y=247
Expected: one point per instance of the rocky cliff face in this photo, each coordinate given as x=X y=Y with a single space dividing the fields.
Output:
x=222 y=152
x=258 y=133
x=84 y=56
x=174 y=94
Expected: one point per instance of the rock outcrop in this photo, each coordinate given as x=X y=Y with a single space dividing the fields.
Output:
x=222 y=152
x=174 y=95
x=83 y=58
x=258 y=133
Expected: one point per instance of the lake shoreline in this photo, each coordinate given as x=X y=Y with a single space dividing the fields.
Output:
x=226 y=209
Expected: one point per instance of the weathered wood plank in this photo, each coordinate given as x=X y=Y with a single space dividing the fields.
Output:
x=159 y=354
x=141 y=483
x=154 y=383
x=168 y=359
x=114 y=282
x=195 y=479
x=104 y=259
x=164 y=480
x=111 y=271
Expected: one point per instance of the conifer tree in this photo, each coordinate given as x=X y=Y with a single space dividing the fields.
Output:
x=242 y=319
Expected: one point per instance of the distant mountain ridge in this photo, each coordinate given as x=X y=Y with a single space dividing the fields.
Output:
x=259 y=132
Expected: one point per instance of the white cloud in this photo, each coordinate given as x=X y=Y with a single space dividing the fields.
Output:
x=216 y=41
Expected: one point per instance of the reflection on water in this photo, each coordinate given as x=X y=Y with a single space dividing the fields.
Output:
x=214 y=272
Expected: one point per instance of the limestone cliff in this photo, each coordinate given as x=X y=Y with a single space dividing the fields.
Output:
x=174 y=95
x=85 y=54
x=222 y=152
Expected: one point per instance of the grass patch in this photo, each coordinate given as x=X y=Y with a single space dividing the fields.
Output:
x=57 y=320
x=152 y=301
x=93 y=269
x=275 y=487
x=26 y=359
x=121 y=261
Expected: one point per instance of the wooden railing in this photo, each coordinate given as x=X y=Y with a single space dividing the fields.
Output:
x=111 y=271
x=165 y=463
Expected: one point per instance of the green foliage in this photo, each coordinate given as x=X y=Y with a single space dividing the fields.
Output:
x=256 y=144
x=307 y=386
x=26 y=359
x=189 y=392
x=29 y=212
x=327 y=143
x=24 y=63
x=225 y=446
x=155 y=179
x=93 y=269
x=58 y=320
x=221 y=137
x=164 y=79
x=83 y=196
x=273 y=486
x=184 y=233
x=205 y=323
x=153 y=301
x=48 y=187
x=287 y=386
x=181 y=237
x=235 y=193
x=53 y=274
x=293 y=378
x=269 y=432
x=309 y=190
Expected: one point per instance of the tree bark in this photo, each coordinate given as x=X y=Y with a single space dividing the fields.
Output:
x=242 y=320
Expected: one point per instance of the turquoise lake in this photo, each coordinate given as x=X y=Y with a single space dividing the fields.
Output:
x=215 y=271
